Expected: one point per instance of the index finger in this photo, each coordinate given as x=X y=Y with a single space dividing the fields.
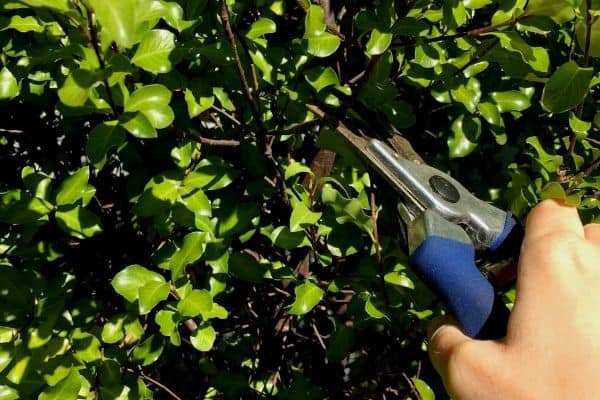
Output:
x=552 y=217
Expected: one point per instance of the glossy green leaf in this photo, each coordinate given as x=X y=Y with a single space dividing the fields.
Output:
x=67 y=389
x=372 y=310
x=24 y=24
x=117 y=19
x=210 y=174
x=260 y=27
x=101 y=140
x=74 y=187
x=197 y=302
x=203 y=338
x=320 y=42
x=151 y=294
x=469 y=94
x=138 y=125
x=75 y=91
x=154 y=52
x=78 y=221
x=302 y=217
x=535 y=57
x=197 y=105
x=153 y=102
x=578 y=126
x=9 y=87
x=130 y=280
x=379 y=42
x=425 y=392
x=191 y=249
x=307 y=296
x=320 y=78
x=566 y=87
x=167 y=322
x=296 y=168
x=511 y=100
x=559 y=10
x=466 y=131
x=149 y=351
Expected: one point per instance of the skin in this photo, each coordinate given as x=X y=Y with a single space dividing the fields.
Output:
x=552 y=348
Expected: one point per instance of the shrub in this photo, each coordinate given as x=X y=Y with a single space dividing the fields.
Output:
x=175 y=223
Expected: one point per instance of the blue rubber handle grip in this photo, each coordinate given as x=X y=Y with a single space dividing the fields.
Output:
x=448 y=267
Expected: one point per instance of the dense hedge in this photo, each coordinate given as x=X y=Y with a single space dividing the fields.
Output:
x=175 y=223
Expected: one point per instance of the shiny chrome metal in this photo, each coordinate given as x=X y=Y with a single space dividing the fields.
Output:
x=429 y=223
x=482 y=221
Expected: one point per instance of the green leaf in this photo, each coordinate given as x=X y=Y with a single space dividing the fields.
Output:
x=66 y=389
x=578 y=126
x=117 y=19
x=211 y=173
x=491 y=113
x=475 y=69
x=101 y=140
x=302 y=217
x=549 y=162
x=24 y=210
x=191 y=249
x=477 y=4
x=112 y=331
x=566 y=88
x=130 y=280
x=153 y=101
x=379 y=42
x=154 y=52
x=151 y=294
x=138 y=125
x=425 y=392
x=74 y=187
x=296 y=168
x=197 y=105
x=511 y=100
x=197 y=302
x=559 y=10
x=203 y=338
x=9 y=87
x=149 y=351
x=75 y=91
x=308 y=295
x=167 y=322
x=182 y=155
x=320 y=42
x=78 y=222
x=469 y=94
x=466 y=132
x=24 y=24
x=320 y=78
x=535 y=57
x=259 y=28
x=284 y=238
x=372 y=311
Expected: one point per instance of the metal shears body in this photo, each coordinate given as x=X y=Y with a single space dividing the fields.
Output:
x=445 y=225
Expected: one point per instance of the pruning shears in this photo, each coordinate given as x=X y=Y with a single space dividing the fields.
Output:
x=445 y=226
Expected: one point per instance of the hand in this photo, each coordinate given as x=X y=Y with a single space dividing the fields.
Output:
x=552 y=348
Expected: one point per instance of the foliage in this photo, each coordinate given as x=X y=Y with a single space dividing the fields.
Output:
x=172 y=219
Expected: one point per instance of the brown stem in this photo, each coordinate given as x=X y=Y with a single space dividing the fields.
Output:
x=226 y=21
x=156 y=383
x=216 y=142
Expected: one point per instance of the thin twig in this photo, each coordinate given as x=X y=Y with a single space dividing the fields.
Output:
x=13 y=131
x=294 y=128
x=158 y=384
x=227 y=115
x=318 y=336
x=225 y=20
x=471 y=33
x=216 y=142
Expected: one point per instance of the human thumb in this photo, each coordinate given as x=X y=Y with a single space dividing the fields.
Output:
x=462 y=362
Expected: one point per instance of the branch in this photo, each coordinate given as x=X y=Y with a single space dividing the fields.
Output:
x=471 y=33
x=216 y=142
x=13 y=131
x=93 y=38
x=225 y=20
x=378 y=255
x=155 y=382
